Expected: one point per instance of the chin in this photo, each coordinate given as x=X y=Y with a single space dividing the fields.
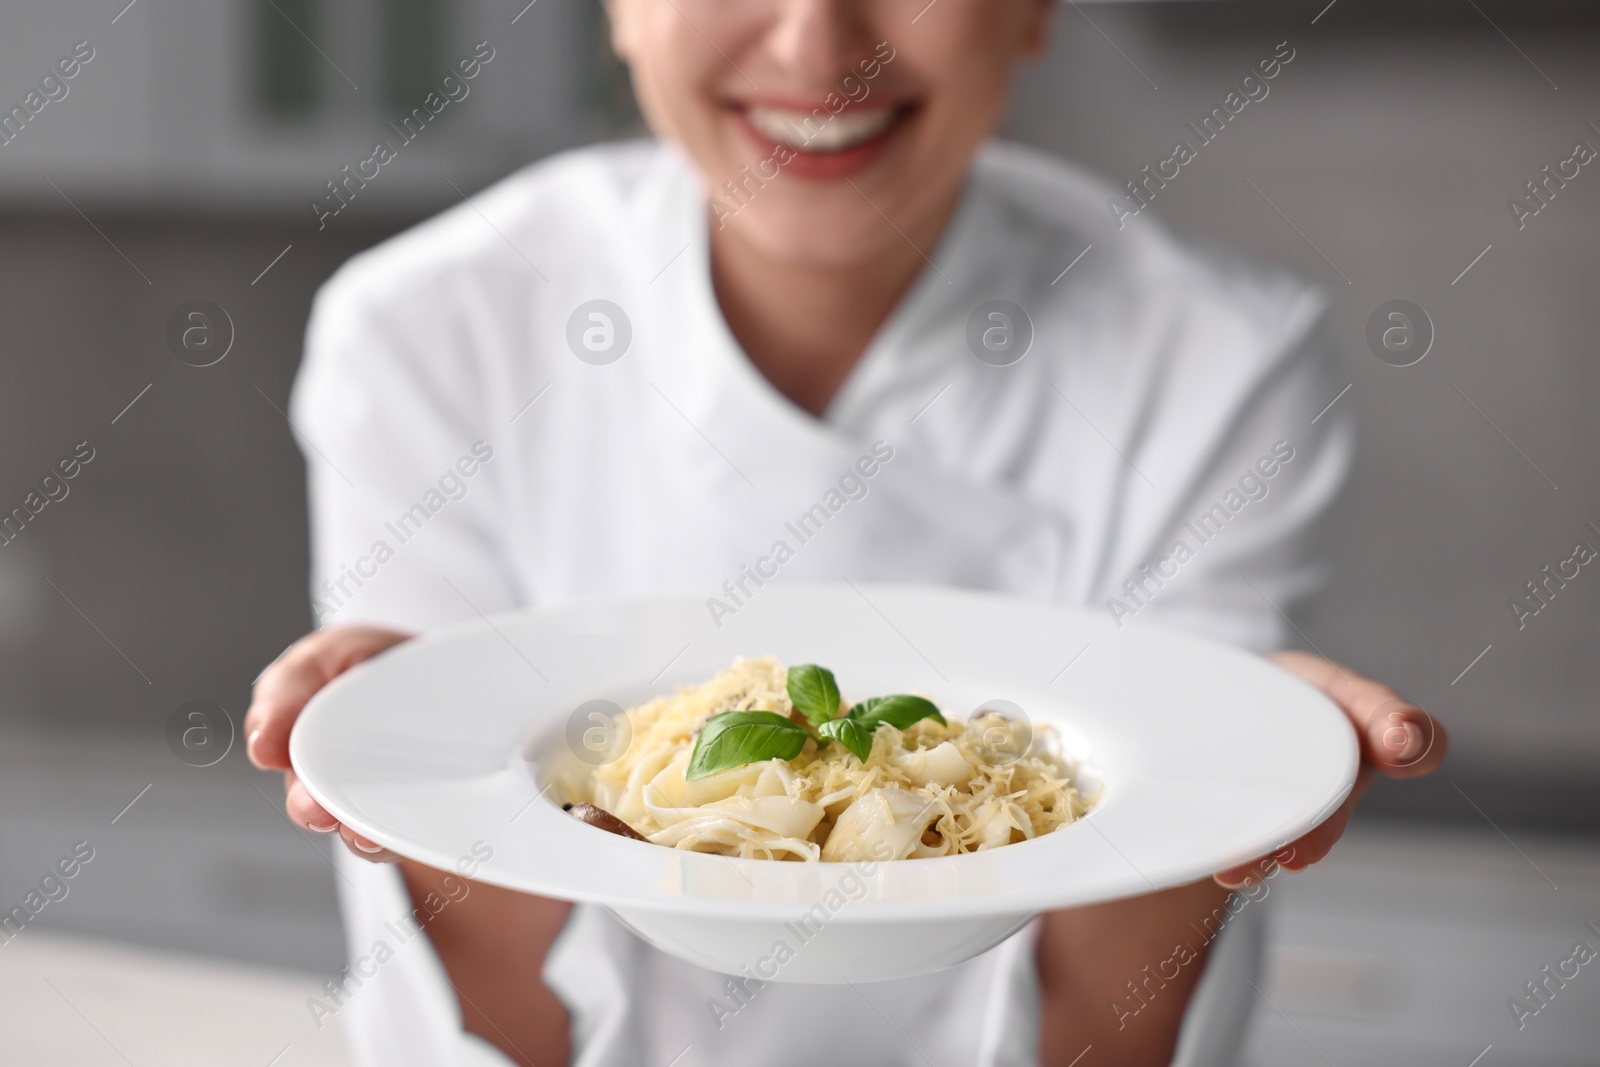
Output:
x=822 y=235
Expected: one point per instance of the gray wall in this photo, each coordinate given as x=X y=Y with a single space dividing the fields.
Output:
x=1392 y=143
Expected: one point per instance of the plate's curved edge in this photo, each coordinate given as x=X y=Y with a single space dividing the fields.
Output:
x=1044 y=898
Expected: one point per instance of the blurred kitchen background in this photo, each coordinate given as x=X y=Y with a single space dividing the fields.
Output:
x=180 y=166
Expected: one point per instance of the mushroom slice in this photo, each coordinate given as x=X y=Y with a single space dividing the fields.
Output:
x=604 y=820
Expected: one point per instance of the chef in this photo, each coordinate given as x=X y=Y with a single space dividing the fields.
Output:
x=663 y=353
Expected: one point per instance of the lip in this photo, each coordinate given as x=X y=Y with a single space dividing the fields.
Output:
x=822 y=166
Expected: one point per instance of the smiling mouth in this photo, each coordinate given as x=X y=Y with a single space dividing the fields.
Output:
x=821 y=131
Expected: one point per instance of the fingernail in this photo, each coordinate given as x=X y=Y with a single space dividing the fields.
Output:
x=250 y=742
x=364 y=845
x=1414 y=742
x=328 y=829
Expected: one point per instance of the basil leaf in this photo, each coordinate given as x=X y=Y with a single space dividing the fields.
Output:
x=735 y=738
x=849 y=733
x=814 y=692
x=899 y=711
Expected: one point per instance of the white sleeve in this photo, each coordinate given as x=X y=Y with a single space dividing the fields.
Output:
x=402 y=470
x=1234 y=552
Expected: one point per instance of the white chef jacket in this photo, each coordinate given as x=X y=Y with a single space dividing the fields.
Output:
x=478 y=440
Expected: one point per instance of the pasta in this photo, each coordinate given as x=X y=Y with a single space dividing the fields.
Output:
x=930 y=789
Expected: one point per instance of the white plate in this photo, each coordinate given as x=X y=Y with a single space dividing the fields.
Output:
x=1204 y=757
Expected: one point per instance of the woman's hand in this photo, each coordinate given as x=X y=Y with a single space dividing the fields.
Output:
x=1397 y=738
x=280 y=694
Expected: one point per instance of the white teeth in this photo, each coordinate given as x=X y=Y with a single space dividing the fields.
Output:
x=821 y=130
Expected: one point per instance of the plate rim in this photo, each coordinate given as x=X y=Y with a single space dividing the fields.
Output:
x=653 y=899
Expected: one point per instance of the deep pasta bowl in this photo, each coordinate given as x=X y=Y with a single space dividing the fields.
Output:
x=1197 y=757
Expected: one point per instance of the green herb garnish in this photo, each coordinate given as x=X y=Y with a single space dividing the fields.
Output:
x=814 y=692
x=849 y=733
x=898 y=711
x=736 y=738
